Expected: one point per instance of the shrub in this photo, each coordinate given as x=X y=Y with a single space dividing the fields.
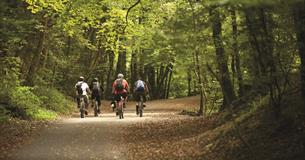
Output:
x=53 y=99
x=41 y=114
x=21 y=101
x=10 y=72
x=4 y=114
x=27 y=105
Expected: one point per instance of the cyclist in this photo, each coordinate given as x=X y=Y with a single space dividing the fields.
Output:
x=140 y=88
x=82 y=90
x=96 y=93
x=120 y=88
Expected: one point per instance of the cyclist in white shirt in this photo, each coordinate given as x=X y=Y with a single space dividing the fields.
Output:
x=82 y=90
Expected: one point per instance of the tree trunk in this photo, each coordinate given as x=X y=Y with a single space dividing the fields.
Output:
x=236 y=59
x=151 y=81
x=169 y=80
x=164 y=89
x=37 y=56
x=258 y=65
x=196 y=60
x=110 y=77
x=262 y=42
x=133 y=70
x=202 y=93
x=299 y=20
x=121 y=64
x=161 y=84
x=160 y=72
x=226 y=84
x=141 y=63
x=189 y=80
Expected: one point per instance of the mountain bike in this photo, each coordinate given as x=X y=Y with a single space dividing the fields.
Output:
x=140 y=106
x=82 y=109
x=120 y=109
x=96 y=107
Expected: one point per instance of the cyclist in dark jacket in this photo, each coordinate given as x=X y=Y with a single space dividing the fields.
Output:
x=140 y=88
x=96 y=93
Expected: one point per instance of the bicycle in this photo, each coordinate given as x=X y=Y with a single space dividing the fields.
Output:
x=96 y=108
x=120 y=109
x=140 y=106
x=82 y=107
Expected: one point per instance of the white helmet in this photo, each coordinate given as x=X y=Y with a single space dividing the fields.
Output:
x=120 y=76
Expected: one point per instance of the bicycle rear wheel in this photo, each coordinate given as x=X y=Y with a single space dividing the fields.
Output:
x=141 y=106
x=95 y=108
x=82 y=111
x=120 y=114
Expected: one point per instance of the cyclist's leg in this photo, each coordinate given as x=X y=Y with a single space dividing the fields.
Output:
x=117 y=98
x=78 y=101
x=124 y=95
x=98 y=99
x=86 y=99
x=144 y=99
x=137 y=97
x=92 y=100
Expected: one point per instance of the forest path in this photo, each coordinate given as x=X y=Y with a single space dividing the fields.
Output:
x=96 y=137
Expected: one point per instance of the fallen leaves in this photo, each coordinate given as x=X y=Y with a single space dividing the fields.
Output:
x=15 y=132
x=175 y=138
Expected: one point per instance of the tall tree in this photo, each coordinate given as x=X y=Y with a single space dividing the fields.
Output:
x=38 y=53
x=198 y=68
x=225 y=81
x=236 y=68
x=299 y=20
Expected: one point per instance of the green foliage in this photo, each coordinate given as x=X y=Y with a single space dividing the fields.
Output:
x=53 y=100
x=4 y=114
x=10 y=72
x=41 y=114
x=28 y=104
x=252 y=2
x=179 y=87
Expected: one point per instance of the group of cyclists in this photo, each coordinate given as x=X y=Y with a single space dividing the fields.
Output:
x=120 y=88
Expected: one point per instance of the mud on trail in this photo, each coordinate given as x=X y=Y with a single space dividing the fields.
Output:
x=108 y=137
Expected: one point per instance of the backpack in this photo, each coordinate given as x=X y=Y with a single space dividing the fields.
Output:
x=140 y=86
x=95 y=87
x=79 y=88
x=119 y=85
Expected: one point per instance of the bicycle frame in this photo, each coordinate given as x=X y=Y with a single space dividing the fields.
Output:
x=82 y=107
x=140 y=105
x=96 y=107
x=120 y=109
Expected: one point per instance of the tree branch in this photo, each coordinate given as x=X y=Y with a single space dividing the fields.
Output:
x=129 y=9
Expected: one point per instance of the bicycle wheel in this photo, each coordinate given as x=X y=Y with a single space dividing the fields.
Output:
x=120 y=113
x=120 y=110
x=95 y=108
x=141 y=106
x=82 y=111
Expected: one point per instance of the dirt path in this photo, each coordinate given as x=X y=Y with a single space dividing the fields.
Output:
x=95 y=137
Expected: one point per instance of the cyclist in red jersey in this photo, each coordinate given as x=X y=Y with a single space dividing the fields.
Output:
x=120 y=88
